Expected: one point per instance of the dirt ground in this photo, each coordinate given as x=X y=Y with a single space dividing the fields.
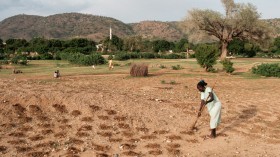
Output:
x=117 y=115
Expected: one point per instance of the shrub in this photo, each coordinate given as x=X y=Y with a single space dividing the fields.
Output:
x=148 y=55
x=19 y=60
x=173 y=56
x=46 y=56
x=172 y=82
x=206 y=56
x=93 y=59
x=228 y=65
x=122 y=56
x=177 y=67
x=162 y=81
x=139 y=70
x=81 y=59
x=162 y=66
x=268 y=70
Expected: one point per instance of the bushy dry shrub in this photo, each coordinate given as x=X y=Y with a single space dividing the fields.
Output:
x=137 y=70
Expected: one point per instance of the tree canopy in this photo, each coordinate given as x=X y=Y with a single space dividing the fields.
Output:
x=241 y=21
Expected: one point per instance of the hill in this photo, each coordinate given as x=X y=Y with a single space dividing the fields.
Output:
x=73 y=25
x=67 y=25
x=158 y=30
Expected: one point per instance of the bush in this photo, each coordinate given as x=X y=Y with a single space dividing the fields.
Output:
x=122 y=56
x=206 y=56
x=268 y=70
x=46 y=56
x=139 y=70
x=19 y=60
x=81 y=59
x=173 y=56
x=162 y=66
x=93 y=59
x=228 y=65
x=148 y=55
x=177 y=67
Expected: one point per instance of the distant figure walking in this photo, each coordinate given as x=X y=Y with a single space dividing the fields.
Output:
x=111 y=64
x=93 y=67
x=56 y=74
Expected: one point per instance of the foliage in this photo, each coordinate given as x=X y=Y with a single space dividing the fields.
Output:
x=241 y=21
x=133 y=43
x=148 y=55
x=177 y=67
x=81 y=59
x=19 y=59
x=206 y=56
x=125 y=56
x=46 y=56
x=162 y=45
x=137 y=70
x=277 y=43
x=268 y=70
x=236 y=46
x=182 y=45
x=227 y=65
x=162 y=66
x=173 y=56
x=114 y=44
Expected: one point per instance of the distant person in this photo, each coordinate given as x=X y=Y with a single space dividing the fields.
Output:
x=56 y=74
x=213 y=104
x=93 y=67
x=111 y=64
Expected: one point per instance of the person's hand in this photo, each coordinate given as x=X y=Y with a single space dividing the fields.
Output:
x=199 y=114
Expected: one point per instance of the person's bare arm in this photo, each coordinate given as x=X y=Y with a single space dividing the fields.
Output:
x=210 y=99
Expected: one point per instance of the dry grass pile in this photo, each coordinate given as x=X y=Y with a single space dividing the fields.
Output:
x=137 y=70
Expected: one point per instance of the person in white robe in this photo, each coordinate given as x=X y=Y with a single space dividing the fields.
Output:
x=213 y=104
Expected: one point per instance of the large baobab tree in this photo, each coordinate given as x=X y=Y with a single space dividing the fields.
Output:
x=239 y=21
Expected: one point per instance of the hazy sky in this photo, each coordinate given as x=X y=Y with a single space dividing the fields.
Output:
x=127 y=11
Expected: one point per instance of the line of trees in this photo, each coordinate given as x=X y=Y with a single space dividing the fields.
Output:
x=48 y=49
x=86 y=46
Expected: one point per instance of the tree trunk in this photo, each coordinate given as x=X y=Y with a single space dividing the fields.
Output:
x=224 y=50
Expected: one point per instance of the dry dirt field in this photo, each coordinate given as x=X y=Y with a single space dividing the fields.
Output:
x=117 y=115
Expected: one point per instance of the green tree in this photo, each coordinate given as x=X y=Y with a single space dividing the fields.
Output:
x=132 y=43
x=206 y=56
x=277 y=42
x=39 y=45
x=162 y=45
x=236 y=46
x=1 y=49
x=182 y=45
x=115 y=44
x=240 y=21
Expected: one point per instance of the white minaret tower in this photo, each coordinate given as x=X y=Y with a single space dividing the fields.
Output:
x=110 y=32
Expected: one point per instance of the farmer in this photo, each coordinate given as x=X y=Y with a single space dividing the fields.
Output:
x=111 y=64
x=213 y=105
x=56 y=74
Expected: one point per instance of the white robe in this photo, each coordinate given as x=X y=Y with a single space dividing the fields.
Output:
x=214 y=107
